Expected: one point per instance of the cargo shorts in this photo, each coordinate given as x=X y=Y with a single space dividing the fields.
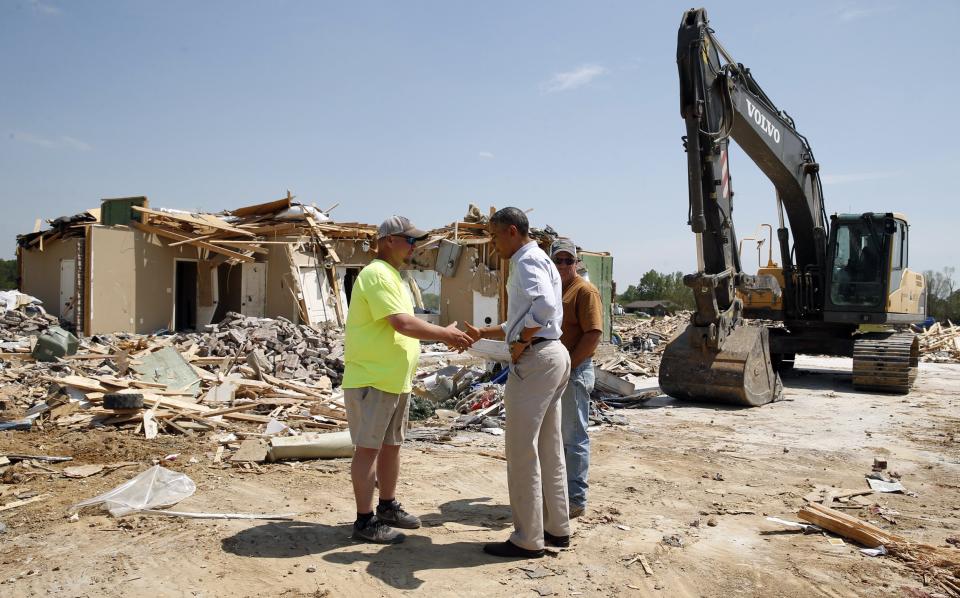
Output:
x=375 y=417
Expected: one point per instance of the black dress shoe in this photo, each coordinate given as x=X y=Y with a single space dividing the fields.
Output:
x=510 y=550
x=556 y=541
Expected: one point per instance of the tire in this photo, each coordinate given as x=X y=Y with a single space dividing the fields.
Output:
x=123 y=401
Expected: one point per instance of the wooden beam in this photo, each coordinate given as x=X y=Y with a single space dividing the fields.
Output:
x=207 y=221
x=847 y=526
x=162 y=232
x=178 y=243
x=246 y=245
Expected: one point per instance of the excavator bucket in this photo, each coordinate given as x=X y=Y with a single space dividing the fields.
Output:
x=741 y=373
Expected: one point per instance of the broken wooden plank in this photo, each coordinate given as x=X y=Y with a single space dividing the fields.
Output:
x=202 y=220
x=261 y=209
x=44 y=458
x=162 y=232
x=26 y=501
x=79 y=382
x=847 y=526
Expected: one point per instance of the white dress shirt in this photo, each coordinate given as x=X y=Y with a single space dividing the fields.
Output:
x=534 y=295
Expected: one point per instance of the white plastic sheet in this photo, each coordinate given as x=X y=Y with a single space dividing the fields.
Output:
x=10 y=300
x=155 y=487
x=490 y=350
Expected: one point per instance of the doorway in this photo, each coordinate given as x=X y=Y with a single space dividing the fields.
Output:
x=349 y=277
x=185 y=295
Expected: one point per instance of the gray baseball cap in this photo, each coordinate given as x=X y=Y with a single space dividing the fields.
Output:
x=563 y=244
x=398 y=225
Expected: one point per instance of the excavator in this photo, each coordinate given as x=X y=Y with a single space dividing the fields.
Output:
x=844 y=287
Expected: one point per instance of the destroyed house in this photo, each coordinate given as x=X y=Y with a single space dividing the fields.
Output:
x=128 y=267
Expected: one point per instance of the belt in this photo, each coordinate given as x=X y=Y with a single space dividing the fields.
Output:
x=540 y=339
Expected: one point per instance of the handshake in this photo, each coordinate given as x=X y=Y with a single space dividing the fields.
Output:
x=459 y=340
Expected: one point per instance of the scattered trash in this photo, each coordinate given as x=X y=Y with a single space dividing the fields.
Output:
x=275 y=427
x=536 y=572
x=53 y=343
x=880 y=483
x=673 y=540
x=155 y=487
x=82 y=471
x=879 y=551
x=277 y=517
x=806 y=528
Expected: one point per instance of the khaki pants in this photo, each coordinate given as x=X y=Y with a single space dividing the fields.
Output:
x=536 y=474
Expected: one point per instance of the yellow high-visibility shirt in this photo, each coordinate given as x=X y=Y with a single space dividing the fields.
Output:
x=374 y=353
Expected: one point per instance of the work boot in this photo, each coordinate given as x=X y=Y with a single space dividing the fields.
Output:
x=393 y=514
x=510 y=550
x=377 y=532
x=556 y=541
x=577 y=510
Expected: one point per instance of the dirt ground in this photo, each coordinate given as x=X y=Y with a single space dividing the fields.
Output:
x=706 y=475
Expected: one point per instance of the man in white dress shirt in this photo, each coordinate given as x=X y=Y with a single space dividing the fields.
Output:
x=540 y=368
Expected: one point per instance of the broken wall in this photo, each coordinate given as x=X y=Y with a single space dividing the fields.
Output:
x=354 y=252
x=280 y=300
x=41 y=272
x=472 y=292
x=131 y=281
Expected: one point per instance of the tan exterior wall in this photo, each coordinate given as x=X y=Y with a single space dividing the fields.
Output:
x=41 y=272
x=280 y=301
x=456 y=292
x=351 y=253
x=112 y=280
x=131 y=280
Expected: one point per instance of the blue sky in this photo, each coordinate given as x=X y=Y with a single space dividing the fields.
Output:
x=568 y=108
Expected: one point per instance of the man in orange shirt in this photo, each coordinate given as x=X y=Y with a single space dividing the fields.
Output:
x=582 y=328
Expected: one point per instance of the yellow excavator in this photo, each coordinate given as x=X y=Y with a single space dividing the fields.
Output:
x=844 y=287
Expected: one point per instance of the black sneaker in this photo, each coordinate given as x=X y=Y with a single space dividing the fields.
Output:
x=378 y=532
x=556 y=541
x=510 y=550
x=395 y=515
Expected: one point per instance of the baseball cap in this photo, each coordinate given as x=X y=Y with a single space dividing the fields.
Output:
x=563 y=244
x=398 y=225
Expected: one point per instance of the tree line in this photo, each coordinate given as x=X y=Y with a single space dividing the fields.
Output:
x=943 y=298
x=659 y=286
x=943 y=295
x=8 y=275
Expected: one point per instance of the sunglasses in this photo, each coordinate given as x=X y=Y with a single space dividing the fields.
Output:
x=564 y=261
x=409 y=240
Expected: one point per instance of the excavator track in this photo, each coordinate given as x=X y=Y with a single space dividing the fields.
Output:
x=886 y=361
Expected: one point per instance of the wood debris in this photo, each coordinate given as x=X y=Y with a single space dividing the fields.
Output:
x=941 y=343
x=203 y=382
x=937 y=563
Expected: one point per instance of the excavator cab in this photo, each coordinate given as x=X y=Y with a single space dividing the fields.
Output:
x=869 y=279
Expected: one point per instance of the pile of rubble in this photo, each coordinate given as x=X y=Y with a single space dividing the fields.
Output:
x=286 y=350
x=243 y=378
x=940 y=344
x=642 y=343
x=21 y=316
